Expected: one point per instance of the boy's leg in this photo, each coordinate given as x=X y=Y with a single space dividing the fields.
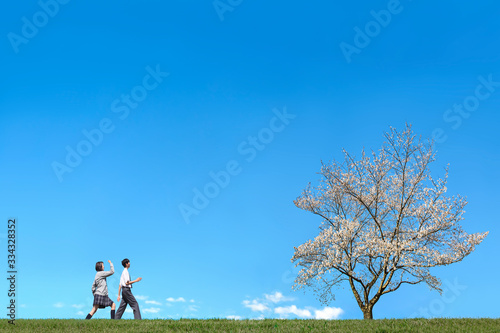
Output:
x=121 y=308
x=134 y=305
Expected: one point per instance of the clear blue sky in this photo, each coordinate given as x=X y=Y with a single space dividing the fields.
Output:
x=87 y=66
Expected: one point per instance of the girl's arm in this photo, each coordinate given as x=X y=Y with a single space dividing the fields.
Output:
x=111 y=270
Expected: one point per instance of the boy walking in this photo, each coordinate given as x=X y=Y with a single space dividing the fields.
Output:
x=127 y=297
x=100 y=289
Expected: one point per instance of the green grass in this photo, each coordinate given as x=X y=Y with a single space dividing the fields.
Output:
x=266 y=325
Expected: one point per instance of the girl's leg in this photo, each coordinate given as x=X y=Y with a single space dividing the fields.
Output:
x=113 y=311
x=91 y=313
x=94 y=309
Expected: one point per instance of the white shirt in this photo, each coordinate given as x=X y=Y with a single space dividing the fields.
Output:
x=124 y=279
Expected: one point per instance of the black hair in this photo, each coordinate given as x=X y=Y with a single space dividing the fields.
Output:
x=125 y=262
x=98 y=266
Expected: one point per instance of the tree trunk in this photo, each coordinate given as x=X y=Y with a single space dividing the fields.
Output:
x=367 y=312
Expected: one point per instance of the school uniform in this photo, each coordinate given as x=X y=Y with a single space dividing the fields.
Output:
x=100 y=288
x=127 y=297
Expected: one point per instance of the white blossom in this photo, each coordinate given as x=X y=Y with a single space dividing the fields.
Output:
x=385 y=222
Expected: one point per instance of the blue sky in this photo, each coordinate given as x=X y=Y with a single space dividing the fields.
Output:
x=254 y=94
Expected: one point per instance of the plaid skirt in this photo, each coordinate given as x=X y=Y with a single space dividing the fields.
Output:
x=102 y=301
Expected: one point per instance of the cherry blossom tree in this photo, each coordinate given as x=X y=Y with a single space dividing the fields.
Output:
x=385 y=223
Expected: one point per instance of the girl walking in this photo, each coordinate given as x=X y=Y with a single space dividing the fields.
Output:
x=100 y=289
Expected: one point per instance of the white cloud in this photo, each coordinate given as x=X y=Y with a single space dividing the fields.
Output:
x=261 y=305
x=261 y=317
x=254 y=305
x=141 y=298
x=192 y=301
x=78 y=306
x=59 y=305
x=180 y=299
x=129 y=310
x=328 y=313
x=278 y=297
x=234 y=317
x=151 y=310
x=193 y=308
x=80 y=313
x=153 y=302
x=292 y=309
x=325 y=313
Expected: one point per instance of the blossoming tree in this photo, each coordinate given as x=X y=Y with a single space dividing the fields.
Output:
x=385 y=223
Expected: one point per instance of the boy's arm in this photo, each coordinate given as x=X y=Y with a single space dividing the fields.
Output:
x=136 y=280
x=119 y=289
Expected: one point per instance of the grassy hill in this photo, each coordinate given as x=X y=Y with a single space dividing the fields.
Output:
x=266 y=325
